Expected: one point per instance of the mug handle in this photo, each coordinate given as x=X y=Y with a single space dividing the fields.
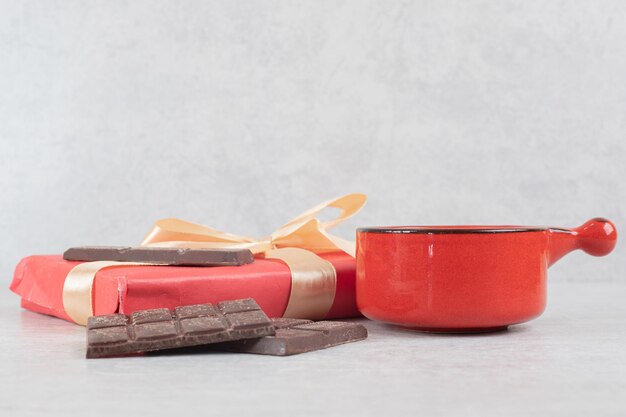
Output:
x=597 y=237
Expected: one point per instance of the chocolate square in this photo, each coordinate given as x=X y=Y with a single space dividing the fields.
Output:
x=149 y=316
x=107 y=335
x=199 y=325
x=158 y=330
x=197 y=310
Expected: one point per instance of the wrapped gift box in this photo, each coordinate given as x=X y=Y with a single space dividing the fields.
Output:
x=39 y=281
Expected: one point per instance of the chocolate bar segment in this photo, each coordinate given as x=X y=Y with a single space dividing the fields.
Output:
x=161 y=256
x=295 y=336
x=158 y=329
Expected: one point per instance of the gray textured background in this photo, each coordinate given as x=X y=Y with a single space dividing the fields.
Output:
x=239 y=115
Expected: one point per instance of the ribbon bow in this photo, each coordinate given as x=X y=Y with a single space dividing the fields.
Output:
x=313 y=279
x=304 y=232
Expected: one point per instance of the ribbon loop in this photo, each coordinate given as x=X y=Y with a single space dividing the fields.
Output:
x=349 y=205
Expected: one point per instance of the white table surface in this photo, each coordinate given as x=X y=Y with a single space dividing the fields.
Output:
x=569 y=362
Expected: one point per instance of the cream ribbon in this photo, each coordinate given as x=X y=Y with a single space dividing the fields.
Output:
x=313 y=283
x=313 y=278
x=77 y=288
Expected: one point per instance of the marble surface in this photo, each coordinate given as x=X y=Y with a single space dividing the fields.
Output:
x=569 y=362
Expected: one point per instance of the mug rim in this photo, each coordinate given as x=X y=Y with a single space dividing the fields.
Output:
x=468 y=229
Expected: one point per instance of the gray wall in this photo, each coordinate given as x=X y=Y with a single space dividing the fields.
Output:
x=241 y=114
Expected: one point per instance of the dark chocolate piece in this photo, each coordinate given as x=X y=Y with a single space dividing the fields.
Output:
x=298 y=336
x=158 y=329
x=162 y=256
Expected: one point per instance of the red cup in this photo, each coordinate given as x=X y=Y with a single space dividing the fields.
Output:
x=465 y=278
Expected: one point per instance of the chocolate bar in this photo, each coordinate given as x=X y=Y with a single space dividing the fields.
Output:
x=161 y=256
x=295 y=336
x=158 y=329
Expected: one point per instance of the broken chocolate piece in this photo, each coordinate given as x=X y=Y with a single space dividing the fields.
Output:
x=161 y=256
x=158 y=329
x=298 y=336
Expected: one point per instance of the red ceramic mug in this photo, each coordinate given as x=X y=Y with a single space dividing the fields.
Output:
x=465 y=278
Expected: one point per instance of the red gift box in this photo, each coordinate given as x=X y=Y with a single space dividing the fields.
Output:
x=39 y=281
